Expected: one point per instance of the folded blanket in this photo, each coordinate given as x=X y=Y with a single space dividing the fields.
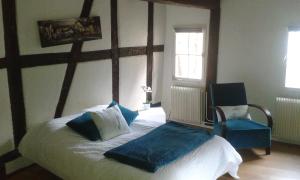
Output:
x=160 y=146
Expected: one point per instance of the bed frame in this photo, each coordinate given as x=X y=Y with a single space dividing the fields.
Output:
x=14 y=62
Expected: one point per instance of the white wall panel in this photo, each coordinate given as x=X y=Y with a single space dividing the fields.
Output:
x=158 y=60
x=92 y=85
x=133 y=23
x=132 y=77
x=42 y=87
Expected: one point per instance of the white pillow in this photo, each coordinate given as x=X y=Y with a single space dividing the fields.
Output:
x=110 y=122
x=95 y=108
x=235 y=112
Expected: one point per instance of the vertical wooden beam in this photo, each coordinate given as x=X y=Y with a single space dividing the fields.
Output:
x=213 y=49
x=71 y=68
x=115 y=49
x=150 y=47
x=13 y=69
x=213 y=45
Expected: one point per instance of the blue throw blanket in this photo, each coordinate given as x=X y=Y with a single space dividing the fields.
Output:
x=160 y=146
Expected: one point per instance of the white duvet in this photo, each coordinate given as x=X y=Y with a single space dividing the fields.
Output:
x=71 y=157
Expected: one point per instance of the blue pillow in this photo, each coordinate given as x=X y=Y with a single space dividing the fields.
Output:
x=127 y=113
x=85 y=126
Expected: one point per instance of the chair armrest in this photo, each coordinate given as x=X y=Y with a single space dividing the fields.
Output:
x=266 y=112
x=223 y=119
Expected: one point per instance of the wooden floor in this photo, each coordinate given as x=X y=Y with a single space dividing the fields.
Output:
x=282 y=164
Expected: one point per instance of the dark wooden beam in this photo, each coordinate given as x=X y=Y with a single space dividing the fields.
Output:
x=10 y=156
x=150 y=47
x=132 y=51
x=2 y=63
x=35 y=60
x=13 y=70
x=71 y=68
x=115 y=49
x=5 y=158
x=206 y=4
x=158 y=48
x=213 y=50
x=213 y=46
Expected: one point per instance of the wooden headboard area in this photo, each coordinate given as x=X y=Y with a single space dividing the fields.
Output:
x=62 y=62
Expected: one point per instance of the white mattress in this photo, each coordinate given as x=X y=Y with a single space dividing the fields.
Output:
x=71 y=157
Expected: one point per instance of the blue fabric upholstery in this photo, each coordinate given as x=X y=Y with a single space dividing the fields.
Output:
x=85 y=126
x=244 y=133
x=240 y=133
x=160 y=146
x=127 y=113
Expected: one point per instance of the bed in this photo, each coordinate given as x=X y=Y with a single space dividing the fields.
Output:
x=58 y=149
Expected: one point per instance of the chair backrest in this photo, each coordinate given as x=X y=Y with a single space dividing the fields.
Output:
x=227 y=94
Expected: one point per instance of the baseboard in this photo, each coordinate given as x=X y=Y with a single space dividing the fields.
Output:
x=274 y=140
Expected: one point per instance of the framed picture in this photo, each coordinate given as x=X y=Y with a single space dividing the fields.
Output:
x=56 y=32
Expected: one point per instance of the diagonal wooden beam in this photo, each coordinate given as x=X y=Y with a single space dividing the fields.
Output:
x=115 y=49
x=206 y=4
x=14 y=70
x=71 y=68
x=150 y=47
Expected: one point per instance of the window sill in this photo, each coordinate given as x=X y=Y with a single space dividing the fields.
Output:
x=188 y=82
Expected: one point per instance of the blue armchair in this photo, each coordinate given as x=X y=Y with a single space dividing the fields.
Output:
x=241 y=133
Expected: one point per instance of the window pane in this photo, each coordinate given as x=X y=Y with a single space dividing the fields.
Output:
x=292 y=79
x=182 y=43
x=196 y=43
x=182 y=66
x=195 y=67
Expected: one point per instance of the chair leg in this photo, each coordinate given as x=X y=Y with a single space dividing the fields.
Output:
x=2 y=171
x=268 y=150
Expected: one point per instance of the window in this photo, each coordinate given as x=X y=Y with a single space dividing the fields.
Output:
x=292 y=79
x=189 y=54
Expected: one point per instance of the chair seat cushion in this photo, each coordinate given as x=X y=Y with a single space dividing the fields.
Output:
x=244 y=125
x=247 y=134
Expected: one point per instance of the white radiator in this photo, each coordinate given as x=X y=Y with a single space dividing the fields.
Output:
x=287 y=120
x=188 y=104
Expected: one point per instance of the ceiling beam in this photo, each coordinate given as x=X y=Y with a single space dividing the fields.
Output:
x=205 y=4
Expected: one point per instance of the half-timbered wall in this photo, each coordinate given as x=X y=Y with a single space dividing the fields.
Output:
x=43 y=76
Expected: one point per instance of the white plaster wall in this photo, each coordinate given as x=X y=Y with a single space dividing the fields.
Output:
x=41 y=88
x=159 y=24
x=158 y=57
x=92 y=85
x=132 y=23
x=132 y=77
x=253 y=43
x=158 y=60
x=178 y=16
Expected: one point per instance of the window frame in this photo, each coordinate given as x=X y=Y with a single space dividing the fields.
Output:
x=191 y=81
